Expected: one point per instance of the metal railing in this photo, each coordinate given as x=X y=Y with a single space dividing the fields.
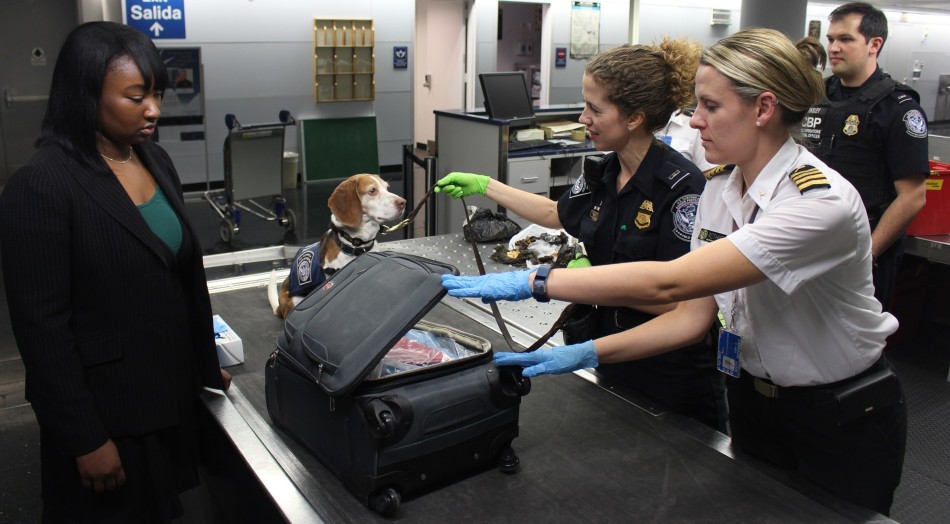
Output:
x=429 y=165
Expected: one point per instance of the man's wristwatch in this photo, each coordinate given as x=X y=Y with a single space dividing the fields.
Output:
x=539 y=289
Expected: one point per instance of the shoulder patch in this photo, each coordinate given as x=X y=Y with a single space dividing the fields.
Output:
x=808 y=177
x=580 y=187
x=718 y=170
x=306 y=273
x=684 y=216
x=915 y=123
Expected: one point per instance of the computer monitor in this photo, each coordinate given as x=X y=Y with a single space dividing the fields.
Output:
x=507 y=97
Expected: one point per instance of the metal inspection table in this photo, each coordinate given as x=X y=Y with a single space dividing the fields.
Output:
x=589 y=451
x=935 y=248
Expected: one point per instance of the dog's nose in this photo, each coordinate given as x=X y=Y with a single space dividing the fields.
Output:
x=401 y=203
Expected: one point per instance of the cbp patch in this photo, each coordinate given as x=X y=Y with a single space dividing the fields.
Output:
x=684 y=216
x=305 y=271
x=580 y=187
x=915 y=123
x=304 y=267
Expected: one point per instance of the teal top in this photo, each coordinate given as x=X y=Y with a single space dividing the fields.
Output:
x=163 y=221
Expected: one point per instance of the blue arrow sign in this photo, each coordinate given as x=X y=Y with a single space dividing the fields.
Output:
x=159 y=19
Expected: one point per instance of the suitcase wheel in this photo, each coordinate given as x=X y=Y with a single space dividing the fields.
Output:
x=385 y=502
x=507 y=460
x=522 y=386
x=388 y=417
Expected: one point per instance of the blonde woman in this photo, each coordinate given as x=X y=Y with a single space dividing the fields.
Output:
x=782 y=247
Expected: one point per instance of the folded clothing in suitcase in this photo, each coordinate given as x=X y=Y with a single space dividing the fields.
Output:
x=429 y=417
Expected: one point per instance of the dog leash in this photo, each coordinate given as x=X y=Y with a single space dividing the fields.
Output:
x=565 y=315
x=412 y=215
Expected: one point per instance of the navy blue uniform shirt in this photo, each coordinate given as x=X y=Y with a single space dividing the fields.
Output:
x=650 y=218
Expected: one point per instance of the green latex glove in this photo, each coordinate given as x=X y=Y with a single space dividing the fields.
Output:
x=458 y=185
x=579 y=261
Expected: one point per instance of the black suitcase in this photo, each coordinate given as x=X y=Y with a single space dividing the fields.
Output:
x=408 y=432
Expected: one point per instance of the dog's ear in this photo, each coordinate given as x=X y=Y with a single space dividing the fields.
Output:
x=345 y=203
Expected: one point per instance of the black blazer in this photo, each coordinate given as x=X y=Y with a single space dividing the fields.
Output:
x=115 y=331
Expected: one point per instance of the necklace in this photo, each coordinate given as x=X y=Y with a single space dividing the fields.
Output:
x=126 y=161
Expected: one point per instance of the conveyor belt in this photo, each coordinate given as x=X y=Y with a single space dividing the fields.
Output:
x=586 y=453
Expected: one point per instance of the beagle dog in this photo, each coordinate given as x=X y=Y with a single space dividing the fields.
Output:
x=358 y=206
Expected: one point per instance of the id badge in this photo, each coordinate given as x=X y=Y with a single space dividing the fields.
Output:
x=727 y=354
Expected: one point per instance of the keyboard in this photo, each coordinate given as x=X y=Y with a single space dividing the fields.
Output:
x=515 y=145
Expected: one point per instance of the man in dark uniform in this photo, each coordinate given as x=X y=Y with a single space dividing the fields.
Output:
x=872 y=130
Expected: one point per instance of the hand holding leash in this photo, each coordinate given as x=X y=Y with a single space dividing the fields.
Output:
x=562 y=359
x=458 y=185
x=511 y=286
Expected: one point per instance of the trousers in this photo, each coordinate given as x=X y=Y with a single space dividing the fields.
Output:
x=860 y=461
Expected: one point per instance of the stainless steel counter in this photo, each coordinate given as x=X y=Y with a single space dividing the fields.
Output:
x=935 y=248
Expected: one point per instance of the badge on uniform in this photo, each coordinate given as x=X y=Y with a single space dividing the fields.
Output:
x=642 y=221
x=706 y=235
x=727 y=354
x=851 y=125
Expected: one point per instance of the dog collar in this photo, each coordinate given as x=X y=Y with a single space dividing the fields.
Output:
x=352 y=245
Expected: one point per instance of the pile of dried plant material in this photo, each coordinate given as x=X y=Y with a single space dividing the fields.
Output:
x=522 y=252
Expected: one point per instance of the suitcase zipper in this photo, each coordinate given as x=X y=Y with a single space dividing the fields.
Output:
x=298 y=367
x=272 y=361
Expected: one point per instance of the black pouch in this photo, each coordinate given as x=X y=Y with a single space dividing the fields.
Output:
x=867 y=395
x=579 y=327
x=489 y=226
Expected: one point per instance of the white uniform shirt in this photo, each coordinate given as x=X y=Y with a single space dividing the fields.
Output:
x=815 y=320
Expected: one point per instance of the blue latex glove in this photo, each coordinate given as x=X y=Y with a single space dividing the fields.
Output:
x=562 y=359
x=494 y=286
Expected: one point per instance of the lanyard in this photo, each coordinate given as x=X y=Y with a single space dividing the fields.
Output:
x=735 y=292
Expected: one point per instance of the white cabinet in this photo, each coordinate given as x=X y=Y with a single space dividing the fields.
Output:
x=530 y=174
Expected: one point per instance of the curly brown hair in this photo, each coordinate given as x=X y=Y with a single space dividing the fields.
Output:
x=812 y=51
x=654 y=80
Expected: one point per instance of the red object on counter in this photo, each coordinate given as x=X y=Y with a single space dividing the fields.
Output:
x=934 y=218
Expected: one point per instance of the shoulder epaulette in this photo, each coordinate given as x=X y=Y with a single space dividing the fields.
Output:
x=718 y=170
x=808 y=177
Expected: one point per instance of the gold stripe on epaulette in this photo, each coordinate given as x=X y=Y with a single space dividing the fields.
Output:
x=808 y=177
x=718 y=170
